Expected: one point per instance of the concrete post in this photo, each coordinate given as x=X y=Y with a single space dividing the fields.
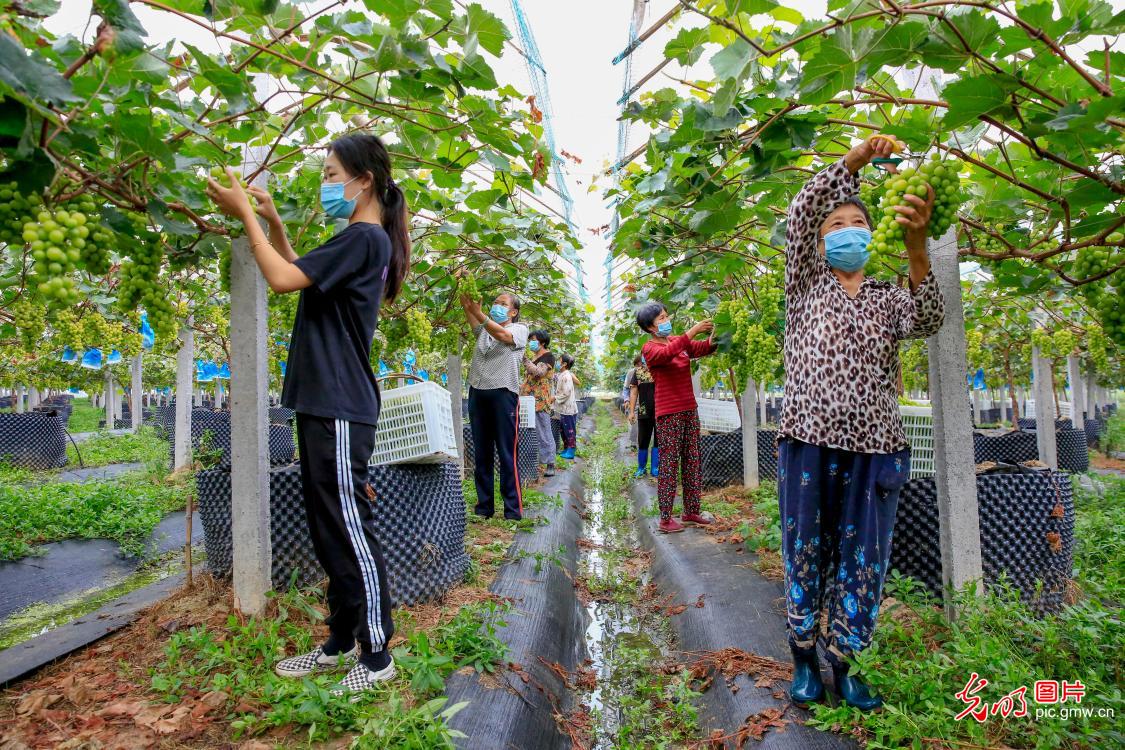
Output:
x=1091 y=394
x=110 y=392
x=750 y=476
x=953 y=445
x=1074 y=374
x=33 y=398
x=978 y=408
x=697 y=384
x=1045 y=413
x=185 y=373
x=135 y=392
x=453 y=374
x=762 y=404
x=218 y=394
x=249 y=403
x=18 y=395
x=198 y=395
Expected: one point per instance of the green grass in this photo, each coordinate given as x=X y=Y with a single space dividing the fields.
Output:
x=919 y=667
x=1114 y=438
x=238 y=659
x=84 y=417
x=125 y=510
x=1099 y=540
x=105 y=448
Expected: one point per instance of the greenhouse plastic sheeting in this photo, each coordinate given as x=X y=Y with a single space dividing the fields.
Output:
x=1020 y=516
x=33 y=440
x=419 y=521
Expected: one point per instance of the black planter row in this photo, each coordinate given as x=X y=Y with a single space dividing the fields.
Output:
x=721 y=457
x=527 y=454
x=216 y=425
x=1021 y=445
x=419 y=513
x=1026 y=531
x=33 y=440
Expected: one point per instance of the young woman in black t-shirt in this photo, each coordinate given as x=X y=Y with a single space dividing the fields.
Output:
x=329 y=383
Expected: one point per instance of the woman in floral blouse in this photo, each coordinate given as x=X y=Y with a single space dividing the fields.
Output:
x=842 y=453
x=539 y=369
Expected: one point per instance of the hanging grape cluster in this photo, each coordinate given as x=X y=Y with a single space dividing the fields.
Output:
x=942 y=176
x=755 y=350
x=140 y=287
x=69 y=330
x=418 y=330
x=1106 y=296
x=16 y=209
x=31 y=321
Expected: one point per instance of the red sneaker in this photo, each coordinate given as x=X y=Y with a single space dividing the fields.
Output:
x=693 y=519
x=671 y=526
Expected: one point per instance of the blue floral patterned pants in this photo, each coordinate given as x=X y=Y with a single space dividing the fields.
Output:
x=837 y=520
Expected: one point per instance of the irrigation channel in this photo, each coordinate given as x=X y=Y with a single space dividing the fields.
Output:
x=636 y=692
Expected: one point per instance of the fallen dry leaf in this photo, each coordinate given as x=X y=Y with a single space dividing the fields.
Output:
x=36 y=701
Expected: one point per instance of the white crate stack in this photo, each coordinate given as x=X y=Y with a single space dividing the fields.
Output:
x=918 y=422
x=415 y=426
x=718 y=416
x=527 y=411
x=1065 y=409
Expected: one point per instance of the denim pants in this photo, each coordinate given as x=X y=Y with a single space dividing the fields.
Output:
x=837 y=519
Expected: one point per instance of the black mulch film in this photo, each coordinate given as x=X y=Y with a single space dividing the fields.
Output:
x=33 y=440
x=1026 y=530
x=419 y=520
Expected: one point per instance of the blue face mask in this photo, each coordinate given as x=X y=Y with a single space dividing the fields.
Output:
x=664 y=328
x=846 y=248
x=334 y=203
x=533 y=345
x=499 y=313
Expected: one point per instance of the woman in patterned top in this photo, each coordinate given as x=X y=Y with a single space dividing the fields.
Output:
x=842 y=453
x=539 y=369
x=642 y=412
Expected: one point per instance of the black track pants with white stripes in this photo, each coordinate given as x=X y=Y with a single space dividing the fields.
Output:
x=334 y=455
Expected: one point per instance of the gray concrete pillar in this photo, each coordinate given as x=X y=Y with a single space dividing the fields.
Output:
x=1045 y=413
x=955 y=463
x=978 y=408
x=1074 y=374
x=453 y=382
x=185 y=373
x=762 y=419
x=750 y=476
x=218 y=394
x=136 y=391
x=110 y=387
x=697 y=384
x=1091 y=394
x=18 y=395
x=198 y=395
x=249 y=404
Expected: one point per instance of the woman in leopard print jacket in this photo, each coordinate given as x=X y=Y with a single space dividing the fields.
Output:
x=842 y=453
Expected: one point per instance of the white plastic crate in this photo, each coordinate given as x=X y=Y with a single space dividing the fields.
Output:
x=918 y=422
x=415 y=426
x=718 y=416
x=527 y=411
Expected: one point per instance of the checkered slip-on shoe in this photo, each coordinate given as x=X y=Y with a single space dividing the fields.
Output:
x=362 y=678
x=315 y=661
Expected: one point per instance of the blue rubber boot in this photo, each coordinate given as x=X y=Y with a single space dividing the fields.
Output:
x=655 y=458
x=807 y=686
x=853 y=690
x=642 y=463
x=568 y=454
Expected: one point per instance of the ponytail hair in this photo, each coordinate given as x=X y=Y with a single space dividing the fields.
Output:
x=361 y=154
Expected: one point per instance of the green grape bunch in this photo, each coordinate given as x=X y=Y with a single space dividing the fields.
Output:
x=16 y=209
x=69 y=330
x=56 y=240
x=31 y=321
x=940 y=174
x=418 y=330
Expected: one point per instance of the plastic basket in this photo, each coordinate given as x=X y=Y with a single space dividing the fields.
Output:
x=415 y=426
x=718 y=416
x=527 y=411
x=918 y=423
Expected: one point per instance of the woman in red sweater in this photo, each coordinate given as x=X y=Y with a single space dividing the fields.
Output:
x=669 y=358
